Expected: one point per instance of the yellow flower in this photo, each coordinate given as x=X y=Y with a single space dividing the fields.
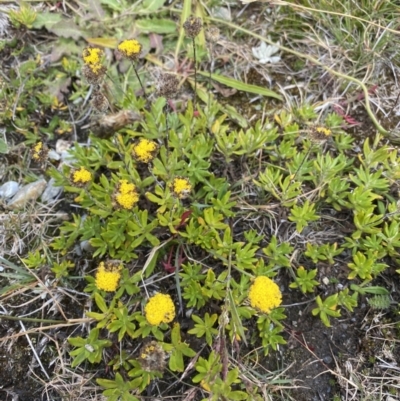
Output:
x=81 y=176
x=97 y=69
x=36 y=149
x=92 y=55
x=130 y=48
x=93 y=73
x=264 y=294
x=144 y=150
x=126 y=187
x=108 y=276
x=325 y=131
x=320 y=134
x=160 y=309
x=126 y=195
x=181 y=187
x=39 y=152
x=127 y=201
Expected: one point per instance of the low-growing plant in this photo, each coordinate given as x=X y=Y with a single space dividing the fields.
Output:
x=305 y=280
x=162 y=197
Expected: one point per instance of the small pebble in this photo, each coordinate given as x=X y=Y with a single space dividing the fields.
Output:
x=51 y=193
x=8 y=189
x=62 y=146
x=53 y=155
x=86 y=246
x=26 y=194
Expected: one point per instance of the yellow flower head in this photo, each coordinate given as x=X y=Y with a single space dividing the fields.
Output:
x=320 y=134
x=39 y=152
x=324 y=131
x=144 y=150
x=264 y=294
x=181 y=187
x=81 y=177
x=92 y=55
x=126 y=187
x=94 y=73
x=38 y=147
x=160 y=309
x=130 y=48
x=97 y=69
x=108 y=275
x=126 y=194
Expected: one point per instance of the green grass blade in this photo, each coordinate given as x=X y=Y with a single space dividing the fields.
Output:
x=236 y=320
x=186 y=11
x=239 y=85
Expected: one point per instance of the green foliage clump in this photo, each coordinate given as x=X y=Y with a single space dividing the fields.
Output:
x=167 y=199
x=175 y=221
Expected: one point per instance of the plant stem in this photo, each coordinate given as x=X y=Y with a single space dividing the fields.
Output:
x=140 y=82
x=195 y=75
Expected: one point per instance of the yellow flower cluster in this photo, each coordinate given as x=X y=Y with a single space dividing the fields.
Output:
x=144 y=150
x=92 y=55
x=130 y=48
x=160 y=309
x=39 y=152
x=107 y=277
x=264 y=294
x=36 y=150
x=127 y=195
x=324 y=131
x=319 y=135
x=181 y=187
x=92 y=59
x=81 y=176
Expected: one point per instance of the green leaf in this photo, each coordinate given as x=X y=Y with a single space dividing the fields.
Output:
x=376 y=290
x=66 y=29
x=110 y=43
x=100 y=302
x=107 y=383
x=46 y=20
x=151 y=5
x=100 y=212
x=206 y=96
x=239 y=85
x=3 y=147
x=115 y=5
x=95 y=315
x=237 y=322
x=156 y=25
x=238 y=395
